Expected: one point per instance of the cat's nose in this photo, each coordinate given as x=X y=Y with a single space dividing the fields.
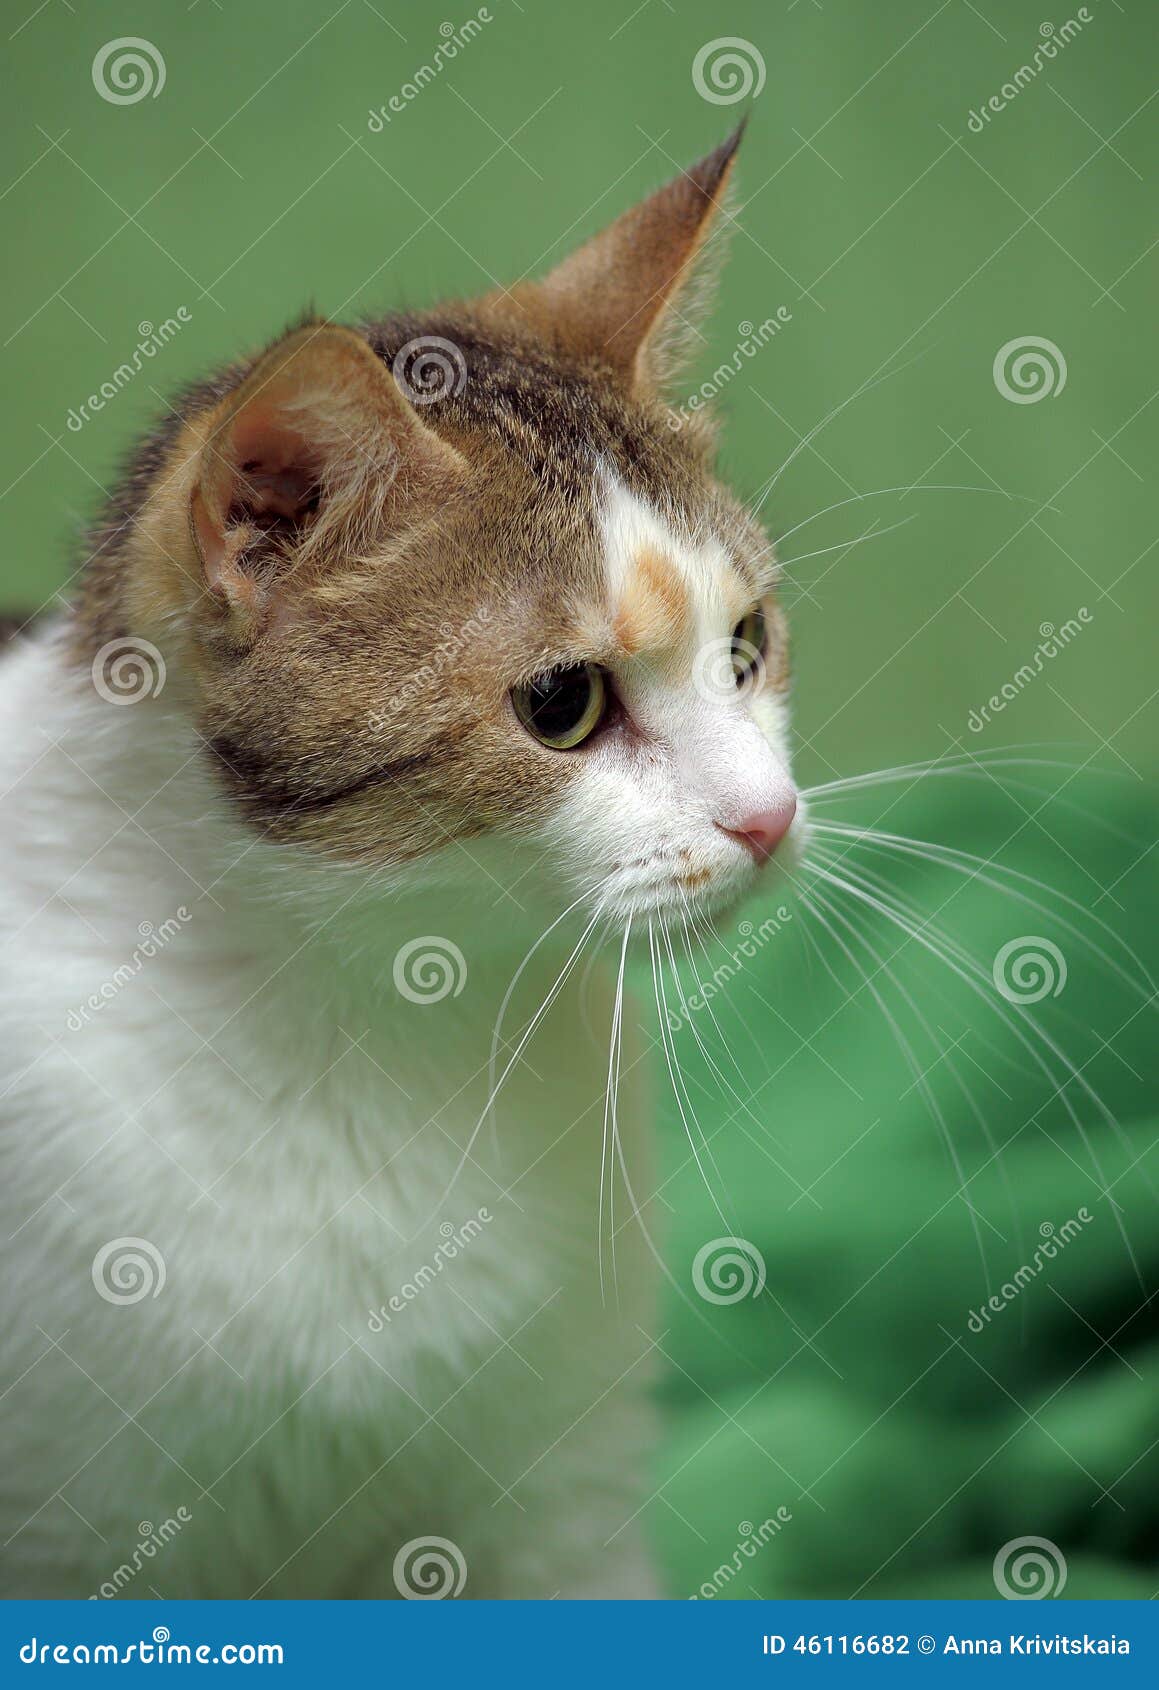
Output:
x=762 y=832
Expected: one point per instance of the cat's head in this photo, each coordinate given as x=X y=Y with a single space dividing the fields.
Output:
x=466 y=573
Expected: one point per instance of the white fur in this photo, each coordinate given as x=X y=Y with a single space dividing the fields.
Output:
x=259 y=1102
x=216 y=1107
x=709 y=757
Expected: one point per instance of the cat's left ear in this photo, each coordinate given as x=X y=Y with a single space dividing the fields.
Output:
x=631 y=297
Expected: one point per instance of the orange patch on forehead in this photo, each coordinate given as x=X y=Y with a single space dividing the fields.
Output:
x=653 y=609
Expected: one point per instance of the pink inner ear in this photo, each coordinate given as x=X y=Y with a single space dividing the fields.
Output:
x=277 y=471
x=264 y=473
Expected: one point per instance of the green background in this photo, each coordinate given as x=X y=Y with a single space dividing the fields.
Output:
x=909 y=249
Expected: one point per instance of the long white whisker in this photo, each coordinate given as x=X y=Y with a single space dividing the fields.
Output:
x=661 y=1263
x=958 y=764
x=974 y=868
x=761 y=1053
x=606 y=1170
x=703 y=1048
x=662 y=1014
x=743 y=1106
x=688 y=1020
x=725 y=1045
x=967 y=1093
x=952 y=947
x=880 y=492
x=808 y=438
x=967 y=974
x=824 y=859
x=658 y=1258
x=920 y=1078
x=976 y=769
x=497 y=1033
x=560 y=982
x=845 y=545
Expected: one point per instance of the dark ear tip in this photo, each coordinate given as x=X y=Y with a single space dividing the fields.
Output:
x=730 y=146
x=710 y=173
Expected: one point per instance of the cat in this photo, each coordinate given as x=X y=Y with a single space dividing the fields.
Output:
x=407 y=659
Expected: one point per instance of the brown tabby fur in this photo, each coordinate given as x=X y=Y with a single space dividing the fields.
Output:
x=296 y=586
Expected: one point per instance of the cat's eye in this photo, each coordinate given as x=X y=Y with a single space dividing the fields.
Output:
x=563 y=708
x=748 y=645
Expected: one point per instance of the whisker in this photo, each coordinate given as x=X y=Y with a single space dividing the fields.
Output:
x=718 y=1073
x=951 y=1065
x=673 y=1069
x=662 y=1264
x=846 y=545
x=966 y=971
x=761 y=1053
x=975 y=769
x=920 y=1077
x=958 y=763
x=973 y=867
x=610 y=1105
x=927 y=487
x=952 y=947
x=808 y=438
x=560 y=981
x=497 y=1033
x=842 y=861
x=725 y=1045
x=584 y=994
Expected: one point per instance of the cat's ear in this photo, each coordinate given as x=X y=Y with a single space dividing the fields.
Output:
x=313 y=458
x=631 y=296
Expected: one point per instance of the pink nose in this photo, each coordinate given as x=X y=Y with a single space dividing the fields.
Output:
x=762 y=833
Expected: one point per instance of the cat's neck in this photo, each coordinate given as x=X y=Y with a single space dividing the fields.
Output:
x=121 y=808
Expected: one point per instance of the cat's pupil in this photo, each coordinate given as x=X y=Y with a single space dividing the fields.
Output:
x=564 y=707
x=559 y=701
x=748 y=645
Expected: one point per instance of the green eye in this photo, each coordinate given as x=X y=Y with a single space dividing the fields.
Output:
x=748 y=646
x=564 y=708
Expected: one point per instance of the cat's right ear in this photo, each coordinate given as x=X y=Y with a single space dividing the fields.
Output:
x=313 y=459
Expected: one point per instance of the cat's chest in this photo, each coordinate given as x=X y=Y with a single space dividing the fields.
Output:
x=327 y=1203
